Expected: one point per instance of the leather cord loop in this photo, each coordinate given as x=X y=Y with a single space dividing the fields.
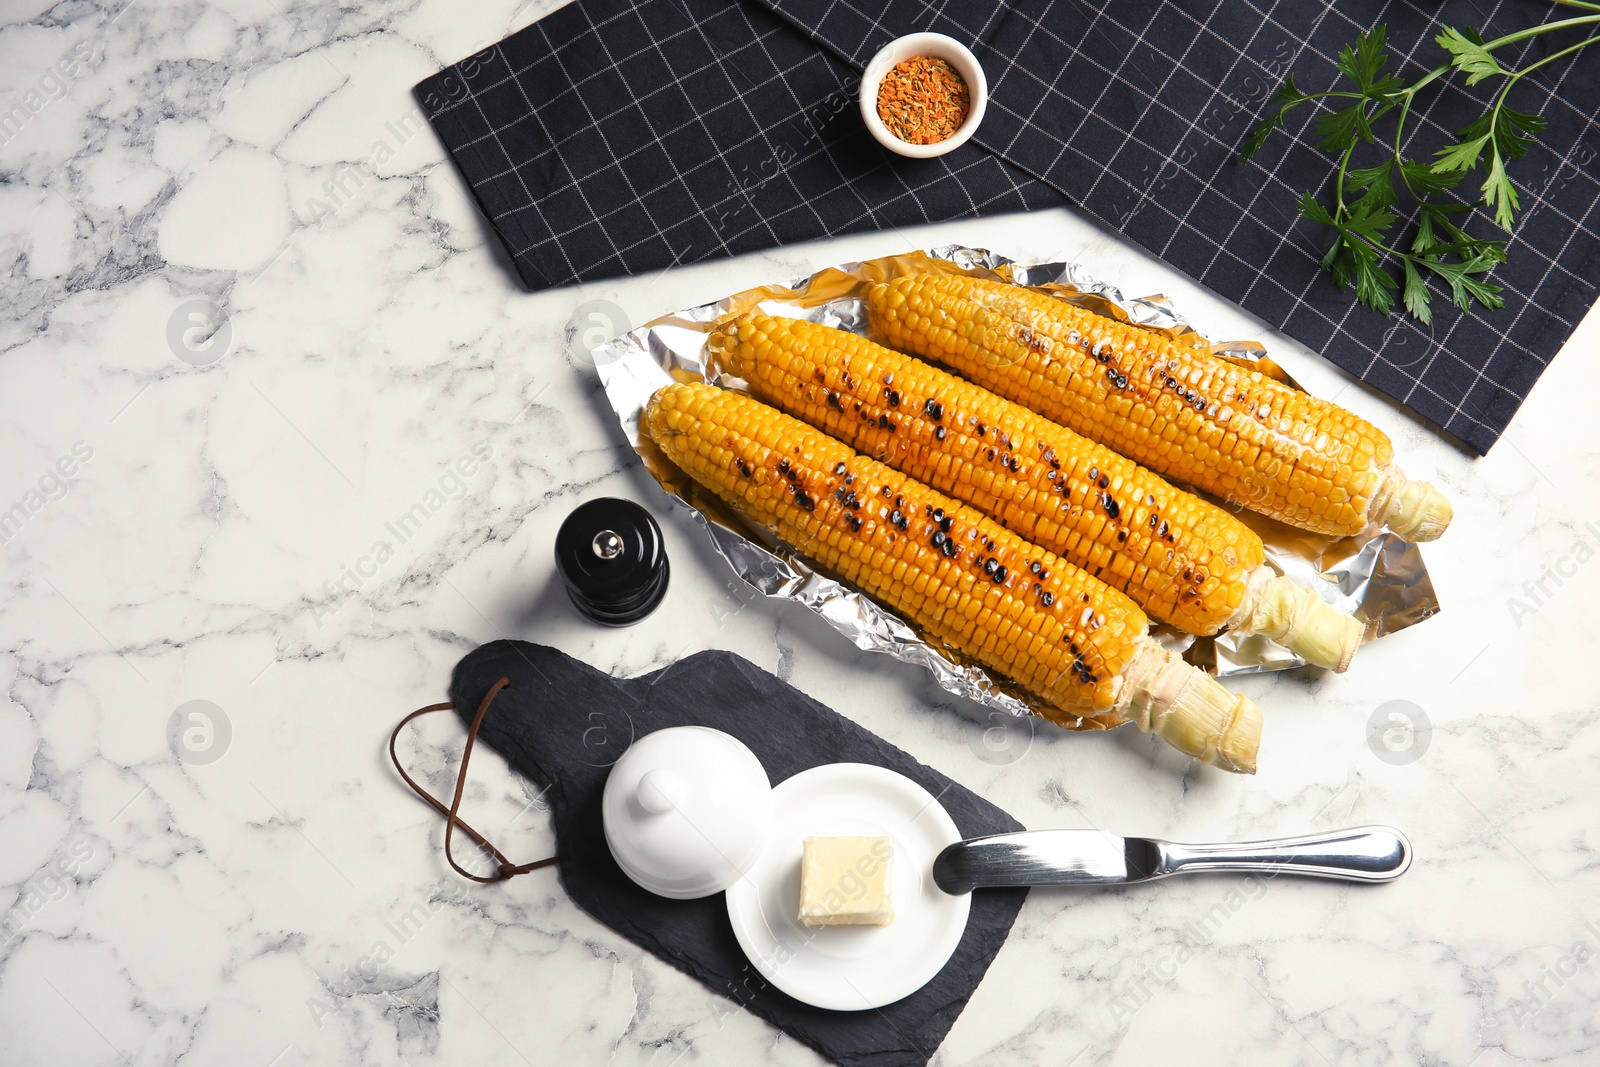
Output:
x=504 y=868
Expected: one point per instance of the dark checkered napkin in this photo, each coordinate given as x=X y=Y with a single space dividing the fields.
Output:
x=612 y=138
x=1135 y=110
x=615 y=138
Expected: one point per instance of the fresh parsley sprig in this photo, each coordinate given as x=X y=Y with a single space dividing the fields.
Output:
x=1366 y=199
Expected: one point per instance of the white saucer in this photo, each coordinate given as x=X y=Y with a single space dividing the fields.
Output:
x=850 y=968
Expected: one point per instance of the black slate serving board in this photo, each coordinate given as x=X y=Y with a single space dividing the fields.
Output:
x=561 y=723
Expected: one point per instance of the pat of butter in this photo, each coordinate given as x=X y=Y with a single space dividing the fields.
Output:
x=844 y=881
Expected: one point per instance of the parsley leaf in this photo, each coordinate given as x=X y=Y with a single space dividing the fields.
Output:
x=1463 y=155
x=1372 y=225
x=1362 y=61
x=1340 y=130
x=1513 y=131
x=1313 y=210
x=1287 y=97
x=1424 y=181
x=1468 y=55
x=1379 y=183
x=1416 y=296
x=1374 y=286
x=1500 y=194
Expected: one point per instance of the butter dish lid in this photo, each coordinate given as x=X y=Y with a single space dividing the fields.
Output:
x=687 y=811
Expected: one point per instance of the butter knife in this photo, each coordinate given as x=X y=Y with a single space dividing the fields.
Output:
x=1094 y=857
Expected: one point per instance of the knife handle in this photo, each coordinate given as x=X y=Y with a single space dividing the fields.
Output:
x=1359 y=854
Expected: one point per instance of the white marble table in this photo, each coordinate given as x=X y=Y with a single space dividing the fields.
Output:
x=201 y=520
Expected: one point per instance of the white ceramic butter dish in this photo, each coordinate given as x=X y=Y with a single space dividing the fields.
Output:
x=687 y=811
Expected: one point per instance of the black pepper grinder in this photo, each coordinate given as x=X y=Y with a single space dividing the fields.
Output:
x=612 y=558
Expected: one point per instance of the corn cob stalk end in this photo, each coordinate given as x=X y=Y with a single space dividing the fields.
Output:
x=1300 y=620
x=1189 y=709
x=1417 y=511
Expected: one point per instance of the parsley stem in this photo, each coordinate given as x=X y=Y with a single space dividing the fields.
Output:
x=1399 y=129
x=1500 y=42
x=1399 y=159
x=1535 y=31
x=1426 y=263
x=1514 y=76
x=1338 y=191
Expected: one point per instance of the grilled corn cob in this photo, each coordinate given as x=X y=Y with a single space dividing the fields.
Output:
x=963 y=579
x=1184 y=561
x=1179 y=411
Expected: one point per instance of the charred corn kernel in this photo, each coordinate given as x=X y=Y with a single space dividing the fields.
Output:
x=1186 y=562
x=968 y=583
x=1109 y=381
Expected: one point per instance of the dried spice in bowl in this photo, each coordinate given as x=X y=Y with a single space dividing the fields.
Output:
x=923 y=100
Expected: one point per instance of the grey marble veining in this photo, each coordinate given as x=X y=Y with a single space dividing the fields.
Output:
x=283 y=441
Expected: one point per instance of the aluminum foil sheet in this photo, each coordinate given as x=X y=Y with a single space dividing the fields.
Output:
x=1376 y=576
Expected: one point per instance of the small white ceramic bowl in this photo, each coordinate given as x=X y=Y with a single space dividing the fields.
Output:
x=939 y=46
